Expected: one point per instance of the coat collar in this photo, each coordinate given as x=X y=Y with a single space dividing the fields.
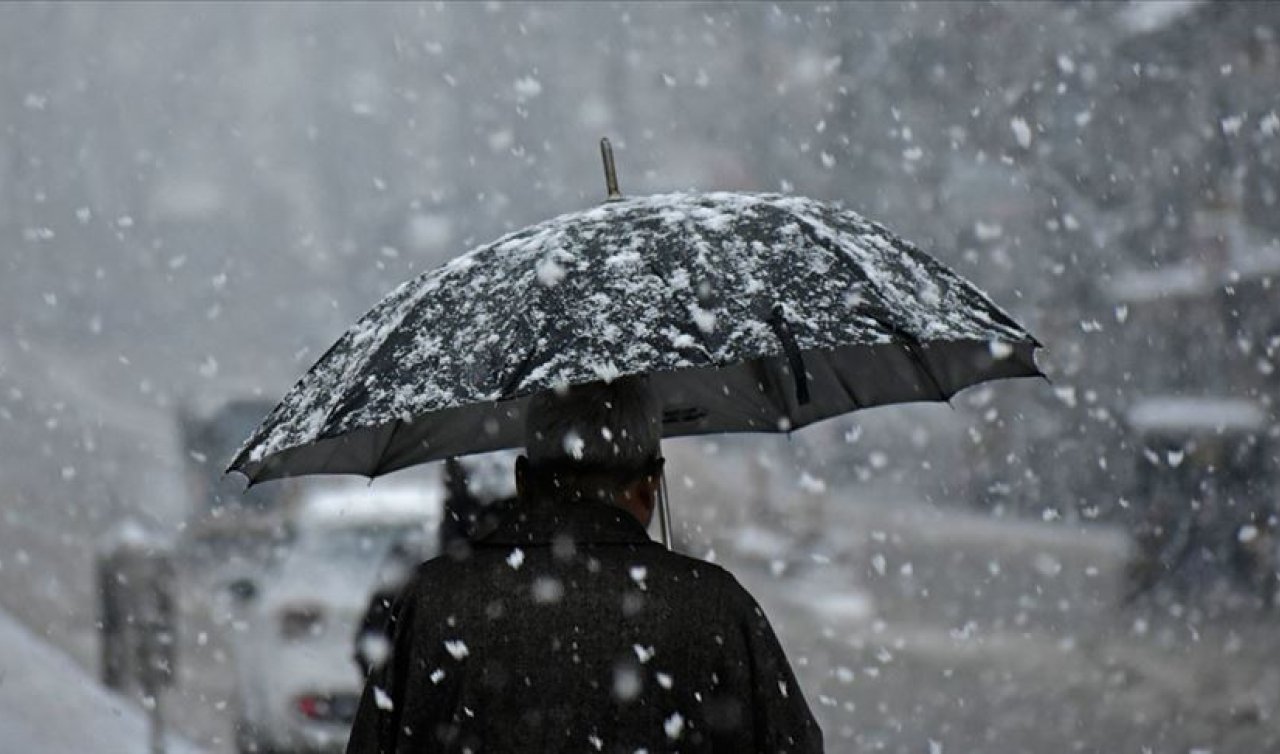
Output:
x=544 y=521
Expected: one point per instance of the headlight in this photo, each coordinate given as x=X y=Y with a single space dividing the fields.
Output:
x=301 y=621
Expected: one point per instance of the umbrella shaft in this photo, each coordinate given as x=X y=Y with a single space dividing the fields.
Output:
x=610 y=172
x=664 y=515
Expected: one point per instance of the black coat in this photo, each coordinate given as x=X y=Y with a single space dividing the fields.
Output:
x=569 y=630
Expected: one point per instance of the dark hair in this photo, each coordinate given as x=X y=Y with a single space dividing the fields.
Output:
x=589 y=441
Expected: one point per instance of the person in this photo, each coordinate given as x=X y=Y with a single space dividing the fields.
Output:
x=137 y=609
x=377 y=623
x=567 y=629
x=473 y=506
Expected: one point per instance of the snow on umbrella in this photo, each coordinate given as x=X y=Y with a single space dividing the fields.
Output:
x=750 y=313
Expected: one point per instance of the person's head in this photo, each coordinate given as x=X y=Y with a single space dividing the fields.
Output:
x=600 y=441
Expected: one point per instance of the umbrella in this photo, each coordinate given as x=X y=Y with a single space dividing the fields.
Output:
x=749 y=312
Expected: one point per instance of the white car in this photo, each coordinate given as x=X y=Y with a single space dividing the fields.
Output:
x=297 y=684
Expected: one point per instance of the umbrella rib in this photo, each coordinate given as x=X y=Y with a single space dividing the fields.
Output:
x=378 y=463
x=845 y=384
x=521 y=371
x=778 y=322
x=350 y=395
x=337 y=443
x=765 y=379
x=913 y=350
x=911 y=344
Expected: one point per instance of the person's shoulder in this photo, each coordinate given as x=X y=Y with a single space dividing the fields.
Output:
x=692 y=564
x=708 y=575
x=719 y=590
x=445 y=568
x=730 y=590
x=444 y=580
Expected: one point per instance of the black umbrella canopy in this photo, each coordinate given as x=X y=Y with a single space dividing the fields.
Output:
x=750 y=312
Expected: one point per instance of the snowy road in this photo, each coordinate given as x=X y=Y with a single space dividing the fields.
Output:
x=985 y=636
x=49 y=705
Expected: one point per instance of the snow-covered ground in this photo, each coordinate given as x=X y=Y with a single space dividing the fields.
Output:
x=49 y=705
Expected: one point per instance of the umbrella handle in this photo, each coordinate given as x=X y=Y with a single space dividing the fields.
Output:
x=664 y=515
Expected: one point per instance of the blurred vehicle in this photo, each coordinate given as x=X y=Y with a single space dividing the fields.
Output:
x=230 y=532
x=296 y=685
x=1208 y=509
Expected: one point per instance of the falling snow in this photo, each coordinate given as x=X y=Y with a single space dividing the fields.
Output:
x=1021 y=132
x=516 y=558
x=456 y=649
x=200 y=237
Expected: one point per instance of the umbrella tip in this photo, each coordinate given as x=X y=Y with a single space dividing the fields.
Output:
x=610 y=172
